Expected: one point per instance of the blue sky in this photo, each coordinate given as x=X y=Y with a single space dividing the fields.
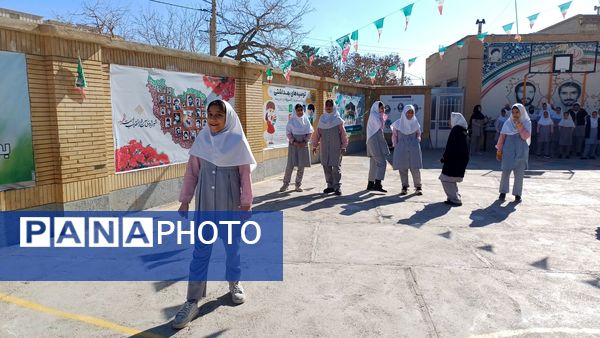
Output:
x=427 y=29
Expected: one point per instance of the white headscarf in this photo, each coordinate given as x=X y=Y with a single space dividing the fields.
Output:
x=545 y=121
x=299 y=125
x=228 y=148
x=330 y=120
x=566 y=122
x=404 y=125
x=376 y=120
x=510 y=128
x=457 y=119
x=593 y=122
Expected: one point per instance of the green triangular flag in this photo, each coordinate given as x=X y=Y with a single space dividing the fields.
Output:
x=411 y=61
x=460 y=44
x=80 y=81
x=354 y=37
x=407 y=12
x=286 y=68
x=357 y=78
x=393 y=68
x=564 y=8
x=344 y=43
x=481 y=36
x=532 y=19
x=379 y=25
x=508 y=27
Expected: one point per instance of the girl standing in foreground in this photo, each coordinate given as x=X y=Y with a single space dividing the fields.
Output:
x=566 y=127
x=334 y=140
x=218 y=171
x=592 y=136
x=298 y=132
x=545 y=129
x=377 y=147
x=513 y=151
x=406 y=137
x=455 y=159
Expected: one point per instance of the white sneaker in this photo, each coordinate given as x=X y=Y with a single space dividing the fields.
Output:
x=187 y=313
x=237 y=292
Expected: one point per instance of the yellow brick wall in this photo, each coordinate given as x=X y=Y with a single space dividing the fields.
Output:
x=72 y=136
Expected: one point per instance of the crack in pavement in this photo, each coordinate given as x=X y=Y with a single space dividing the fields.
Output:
x=411 y=280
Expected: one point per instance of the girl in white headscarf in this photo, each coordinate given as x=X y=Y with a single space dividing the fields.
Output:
x=377 y=147
x=513 y=151
x=218 y=172
x=332 y=137
x=545 y=129
x=592 y=136
x=406 y=138
x=455 y=159
x=566 y=128
x=298 y=132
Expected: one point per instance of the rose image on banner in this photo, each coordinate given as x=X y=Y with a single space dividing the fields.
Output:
x=157 y=114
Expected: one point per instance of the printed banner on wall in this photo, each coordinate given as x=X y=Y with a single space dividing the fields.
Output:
x=278 y=106
x=352 y=109
x=157 y=114
x=394 y=104
x=17 y=167
x=521 y=72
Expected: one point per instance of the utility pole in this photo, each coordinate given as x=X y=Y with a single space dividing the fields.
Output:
x=402 y=76
x=480 y=23
x=517 y=17
x=213 y=29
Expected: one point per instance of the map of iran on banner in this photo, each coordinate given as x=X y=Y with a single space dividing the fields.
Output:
x=157 y=114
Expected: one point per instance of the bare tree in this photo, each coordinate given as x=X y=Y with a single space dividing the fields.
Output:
x=173 y=28
x=261 y=31
x=100 y=17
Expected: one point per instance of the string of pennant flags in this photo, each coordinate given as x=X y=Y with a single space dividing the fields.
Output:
x=347 y=41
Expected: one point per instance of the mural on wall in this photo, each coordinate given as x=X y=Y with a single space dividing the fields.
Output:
x=17 y=166
x=278 y=105
x=157 y=114
x=505 y=66
x=394 y=104
x=352 y=109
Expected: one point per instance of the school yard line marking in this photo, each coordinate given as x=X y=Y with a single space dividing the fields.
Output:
x=513 y=333
x=74 y=316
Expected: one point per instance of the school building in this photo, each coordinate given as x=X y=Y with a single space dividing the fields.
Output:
x=124 y=144
x=557 y=65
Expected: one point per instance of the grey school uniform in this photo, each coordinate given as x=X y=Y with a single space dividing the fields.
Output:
x=515 y=158
x=331 y=158
x=407 y=155
x=544 y=138
x=218 y=189
x=591 y=143
x=297 y=157
x=377 y=150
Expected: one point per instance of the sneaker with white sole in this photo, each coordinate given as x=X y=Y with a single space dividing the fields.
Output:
x=283 y=188
x=298 y=189
x=188 y=312
x=237 y=292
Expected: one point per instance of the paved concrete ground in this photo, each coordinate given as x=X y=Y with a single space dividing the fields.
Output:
x=368 y=264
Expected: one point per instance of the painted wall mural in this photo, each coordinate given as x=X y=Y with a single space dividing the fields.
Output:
x=505 y=66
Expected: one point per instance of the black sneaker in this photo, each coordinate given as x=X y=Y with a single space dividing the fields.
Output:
x=454 y=204
x=419 y=191
x=328 y=191
x=370 y=186
x=502 y=197
x=518 y=199
x=404 y=191
x=338 y=192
